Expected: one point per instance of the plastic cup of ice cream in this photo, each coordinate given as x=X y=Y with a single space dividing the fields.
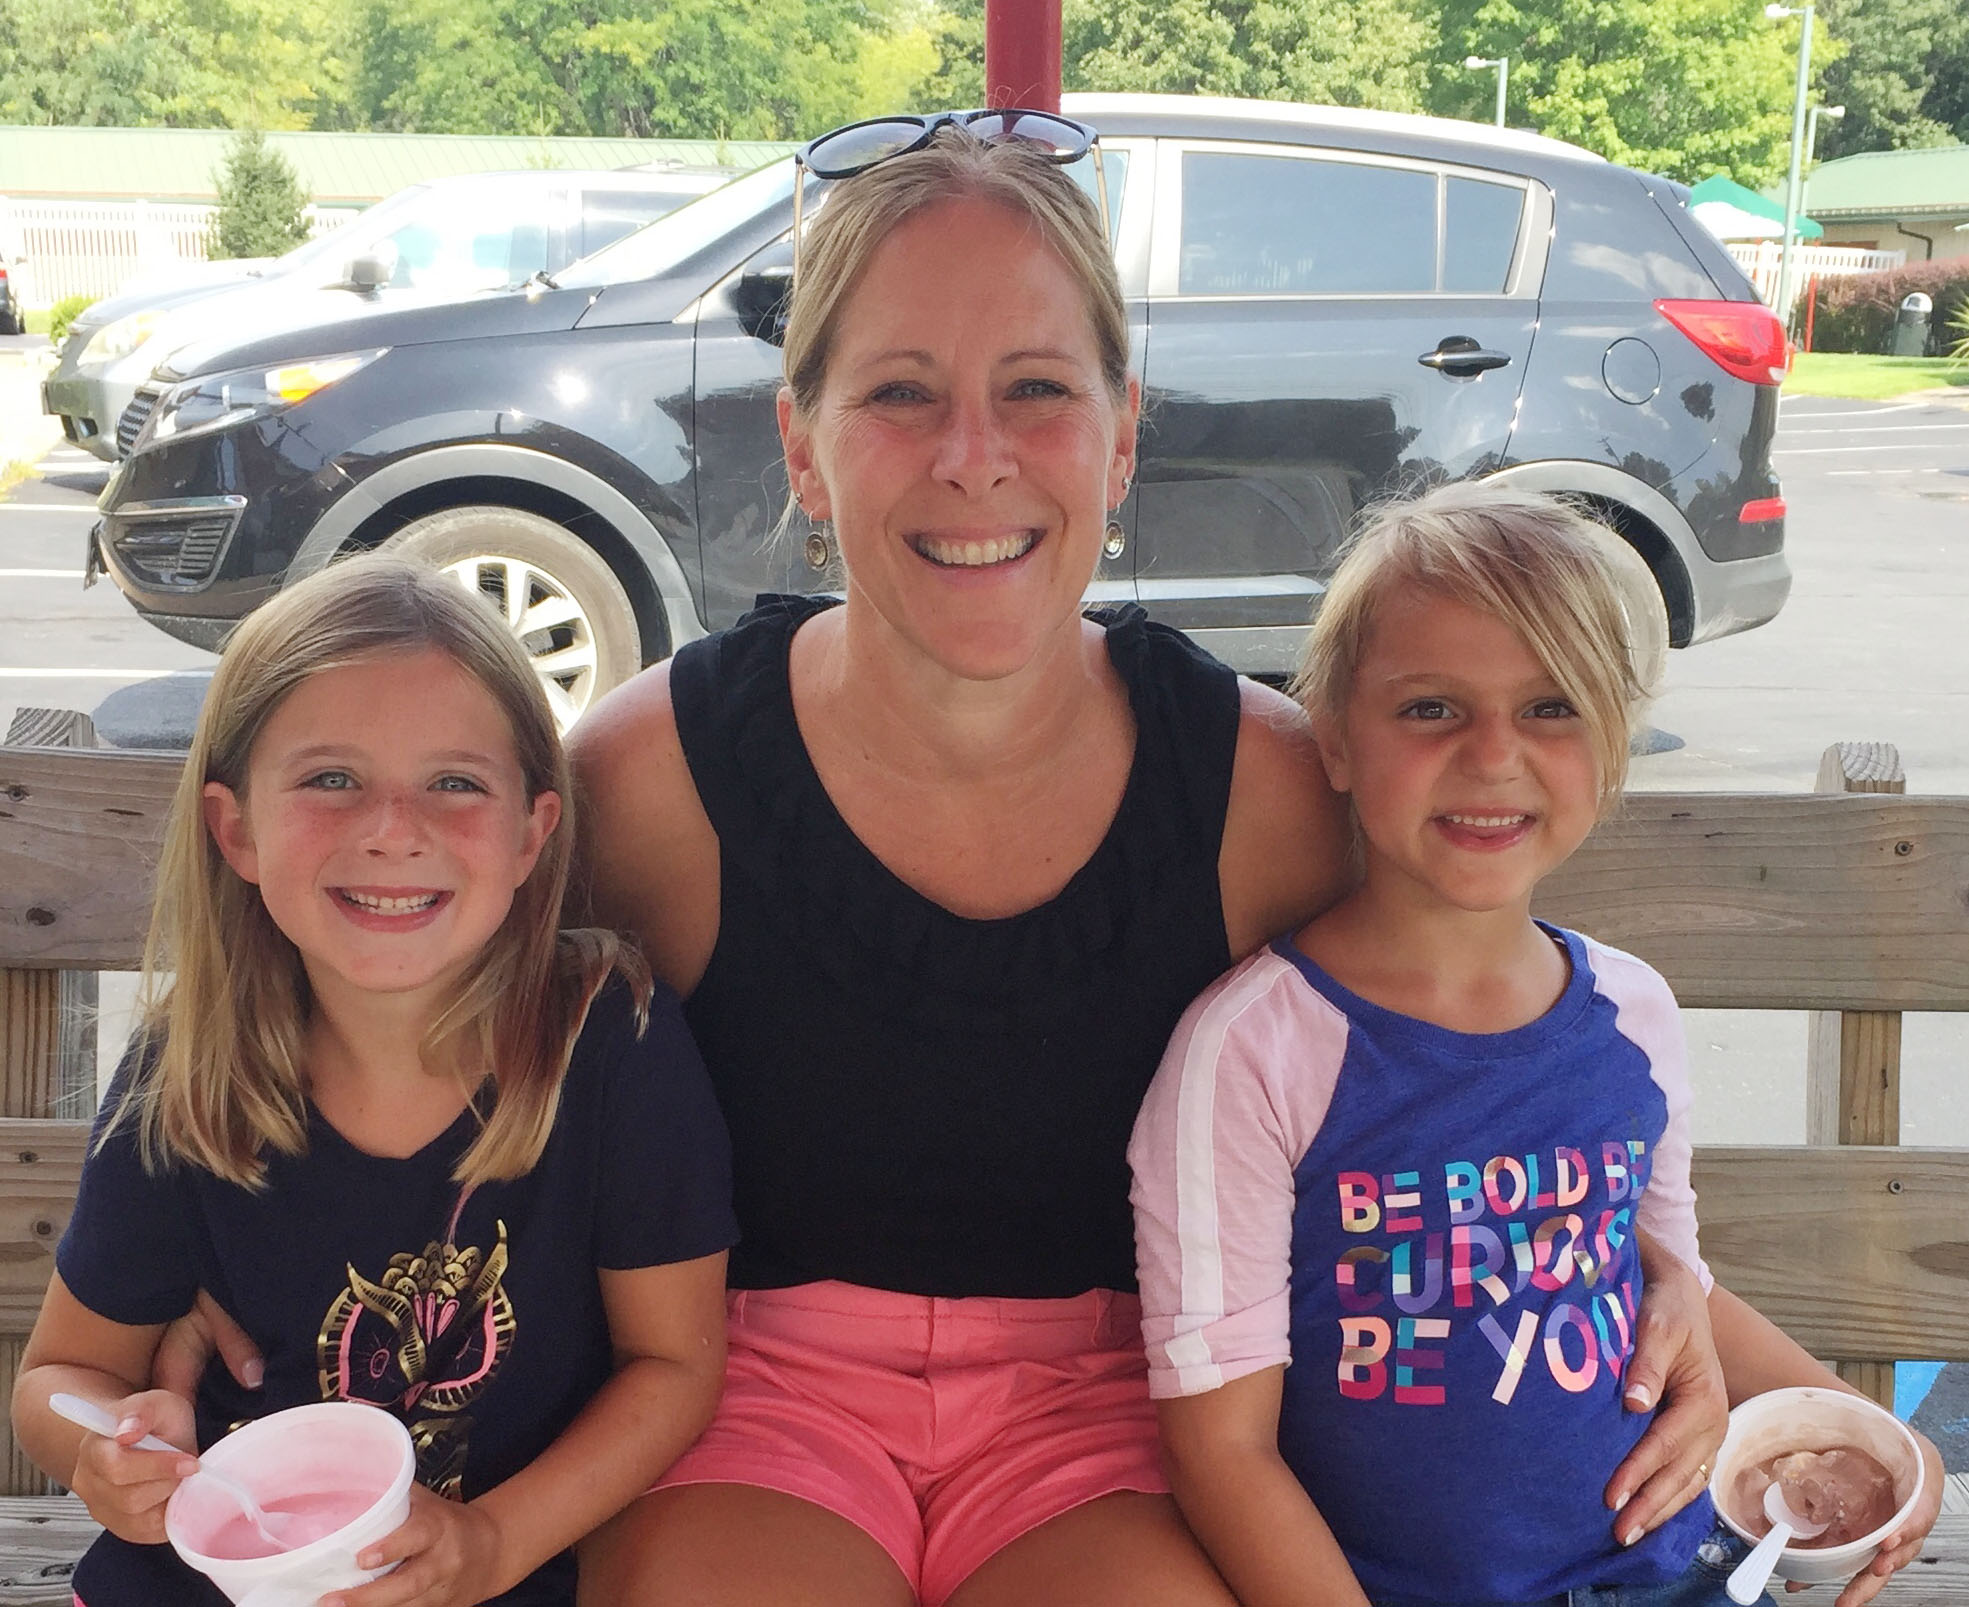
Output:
x=333 y=1478
x=1807 y=1419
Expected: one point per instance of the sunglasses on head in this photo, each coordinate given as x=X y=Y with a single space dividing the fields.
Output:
x=857 y=147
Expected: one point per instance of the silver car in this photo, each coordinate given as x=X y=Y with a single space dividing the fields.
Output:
x=447 y=236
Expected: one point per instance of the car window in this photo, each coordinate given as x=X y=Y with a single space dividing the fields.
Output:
x=607 y=215
x=1114 y=169
x=1256 y=225
x=662 y=245
x=1480 y=235
x=477 y=237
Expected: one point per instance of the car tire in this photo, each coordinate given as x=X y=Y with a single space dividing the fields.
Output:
x=554 y=591
x=1646 y=609
x=10 y=323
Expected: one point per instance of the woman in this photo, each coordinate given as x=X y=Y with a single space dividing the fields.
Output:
x=936 y=871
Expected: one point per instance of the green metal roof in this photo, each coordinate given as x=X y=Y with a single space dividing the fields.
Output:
x=182 y=164
x=1892 y=184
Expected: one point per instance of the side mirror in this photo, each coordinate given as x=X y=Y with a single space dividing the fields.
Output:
x=370 y=270
x=760 y=298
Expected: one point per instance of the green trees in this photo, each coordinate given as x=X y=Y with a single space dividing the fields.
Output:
x=262 y=209
x=1904 y=79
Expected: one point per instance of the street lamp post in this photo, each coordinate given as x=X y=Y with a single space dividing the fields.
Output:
x=1812 y=126
x=1774 y=11
x=1503 y=66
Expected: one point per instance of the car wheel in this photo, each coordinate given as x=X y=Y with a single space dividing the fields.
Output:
x=1641 y=600
x=556 y=594
x=10 y=323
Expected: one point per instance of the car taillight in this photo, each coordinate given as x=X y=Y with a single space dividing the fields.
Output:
x=1743 y=338
x=1761 y=511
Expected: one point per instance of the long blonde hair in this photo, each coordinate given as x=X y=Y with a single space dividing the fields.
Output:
x=225 y=1000
x=1529 y=560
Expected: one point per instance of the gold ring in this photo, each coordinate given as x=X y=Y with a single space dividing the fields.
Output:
x=1702 y=1470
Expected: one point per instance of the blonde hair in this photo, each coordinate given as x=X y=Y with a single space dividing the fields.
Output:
x=226 y=999
x=1529 y=560
x=861 y=212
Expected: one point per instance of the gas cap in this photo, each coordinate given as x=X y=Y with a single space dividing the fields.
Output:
x=1632 y=371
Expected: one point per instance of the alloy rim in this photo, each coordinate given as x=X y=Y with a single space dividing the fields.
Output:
x=555 y=630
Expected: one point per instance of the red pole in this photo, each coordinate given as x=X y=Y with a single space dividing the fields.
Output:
x=1022 y=54
x=1811 y=306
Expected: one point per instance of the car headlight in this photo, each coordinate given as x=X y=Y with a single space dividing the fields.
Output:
x=119 y=339
x=219 y=400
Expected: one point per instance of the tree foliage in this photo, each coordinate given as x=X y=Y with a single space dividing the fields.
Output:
x=1904 y=79
x=1681 y=87
x=262 y=208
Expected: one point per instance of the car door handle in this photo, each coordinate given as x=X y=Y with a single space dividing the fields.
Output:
x=1461 y=356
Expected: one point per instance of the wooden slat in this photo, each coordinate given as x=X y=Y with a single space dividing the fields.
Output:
x=1782 y=902
x=40 y=1539
x=40 y=1166
x=1939 y=1577
x=1856 y=1252
x=79 y=835
x=50 y=728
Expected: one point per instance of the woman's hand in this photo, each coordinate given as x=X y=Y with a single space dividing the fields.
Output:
x=186 y=1349
x=1902 y=1546
x=447 y=1554
x=125 y=1489
x=1675 y=1363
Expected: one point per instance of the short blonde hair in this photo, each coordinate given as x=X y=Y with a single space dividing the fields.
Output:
x=1527 y=559
x=861 y=212
x=226 y=998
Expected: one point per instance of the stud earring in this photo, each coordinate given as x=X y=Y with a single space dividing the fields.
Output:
x=1116 y=542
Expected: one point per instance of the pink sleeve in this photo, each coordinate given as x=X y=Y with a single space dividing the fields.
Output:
x=1242 y=1090
x=1649 y=1018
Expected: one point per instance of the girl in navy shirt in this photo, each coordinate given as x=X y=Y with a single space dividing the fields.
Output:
x=429 y=1151
x=1407 y=1149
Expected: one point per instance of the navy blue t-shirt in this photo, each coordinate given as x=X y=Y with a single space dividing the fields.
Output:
x=327 y=1264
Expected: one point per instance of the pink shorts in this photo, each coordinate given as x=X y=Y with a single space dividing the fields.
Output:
x=944 y=1429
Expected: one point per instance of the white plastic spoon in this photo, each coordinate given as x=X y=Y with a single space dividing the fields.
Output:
x=1748 y=1579
x=87 y=1414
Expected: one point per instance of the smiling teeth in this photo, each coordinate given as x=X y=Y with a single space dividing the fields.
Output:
x=1486 y=820
x=975 y=554
x=392 y=906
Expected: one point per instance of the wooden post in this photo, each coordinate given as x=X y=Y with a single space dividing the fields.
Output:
x=1853 y=1057
x=47 y=1054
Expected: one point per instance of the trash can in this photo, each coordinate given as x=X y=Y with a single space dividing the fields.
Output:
x=1911 y=326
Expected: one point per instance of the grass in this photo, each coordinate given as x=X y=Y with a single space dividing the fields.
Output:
x=1870 y=379
x=36 y=319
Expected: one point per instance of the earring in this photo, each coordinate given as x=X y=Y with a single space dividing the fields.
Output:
x=1116 y=542
x=820 y=545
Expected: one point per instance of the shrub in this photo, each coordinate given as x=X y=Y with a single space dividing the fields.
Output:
x=64 y=313
x=1855 y=311
x=262 y=207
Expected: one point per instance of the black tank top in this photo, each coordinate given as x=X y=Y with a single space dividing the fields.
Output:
x=919 y=1101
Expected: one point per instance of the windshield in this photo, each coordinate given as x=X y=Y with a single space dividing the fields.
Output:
x=658 y=247
x=346 y=239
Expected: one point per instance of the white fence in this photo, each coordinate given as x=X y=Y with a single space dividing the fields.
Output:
x=1760 y=259
x=94 y=248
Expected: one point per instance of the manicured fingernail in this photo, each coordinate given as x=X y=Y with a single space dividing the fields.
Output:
x=185 y=1466
x=130 y=1425
x=1631 y=1536
x=1640 y=1397
x=256 y=1374
x=1620 y=1501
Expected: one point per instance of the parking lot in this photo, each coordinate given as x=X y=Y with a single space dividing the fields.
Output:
x=1870 y=646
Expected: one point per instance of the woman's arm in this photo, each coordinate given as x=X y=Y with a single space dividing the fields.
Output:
x=1244 y=1504
x=1757 y=1356
x=667 y=1325
x=649 y=855
x=1287 y=851
x=72 y=1350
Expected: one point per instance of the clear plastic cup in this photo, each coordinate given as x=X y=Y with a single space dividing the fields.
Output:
x=335 y=1477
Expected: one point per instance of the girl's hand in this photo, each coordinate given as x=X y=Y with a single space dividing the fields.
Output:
x=125 y=1489
x=1902 y=1546
x=188 y=1344
x=448 y=1556
x=1674 y=1363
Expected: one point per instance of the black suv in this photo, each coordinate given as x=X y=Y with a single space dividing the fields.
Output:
x=1326 y=305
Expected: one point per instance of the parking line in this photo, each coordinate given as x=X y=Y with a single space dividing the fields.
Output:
x=18 y=673
x=47 y=507
x=1822 y=451
x=40 y=574
x=1859 y=412
x=1834 y=474
x=1883 y=429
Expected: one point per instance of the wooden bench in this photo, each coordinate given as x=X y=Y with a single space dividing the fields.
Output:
x=1856 y=907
